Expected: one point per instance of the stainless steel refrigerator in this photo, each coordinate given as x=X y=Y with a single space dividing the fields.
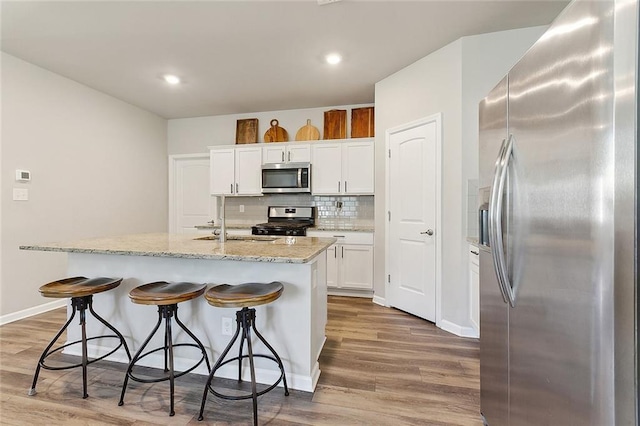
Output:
x=558 y=269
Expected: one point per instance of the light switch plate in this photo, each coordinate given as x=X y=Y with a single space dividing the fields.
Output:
x=20 y=194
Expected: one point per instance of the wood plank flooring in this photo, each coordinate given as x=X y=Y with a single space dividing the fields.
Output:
x=380 y=366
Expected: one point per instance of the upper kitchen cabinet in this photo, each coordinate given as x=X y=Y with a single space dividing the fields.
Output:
x=343 y=168
x=235 y=170
x=289 y=153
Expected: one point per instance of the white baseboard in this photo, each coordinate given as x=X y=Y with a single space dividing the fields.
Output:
x=349 y=293
x=25 y=313
x=379 y=301
x=457 y=329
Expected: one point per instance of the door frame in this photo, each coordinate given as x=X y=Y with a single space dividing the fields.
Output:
x=437 y=119
x=173 y=190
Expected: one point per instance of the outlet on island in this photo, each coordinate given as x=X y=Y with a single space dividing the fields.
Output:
x=241 y=208
x=227 y=326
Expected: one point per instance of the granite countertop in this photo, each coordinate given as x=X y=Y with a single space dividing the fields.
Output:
x=190 y=246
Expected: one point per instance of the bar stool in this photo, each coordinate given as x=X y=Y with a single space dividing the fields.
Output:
x=81 y=291
x=244 y=296
x=166 y=296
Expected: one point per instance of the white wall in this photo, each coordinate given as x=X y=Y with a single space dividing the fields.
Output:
x=452 y=81
x=193 y=135
x=99 y=167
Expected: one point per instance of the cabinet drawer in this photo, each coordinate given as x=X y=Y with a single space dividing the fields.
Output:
x=349 y=237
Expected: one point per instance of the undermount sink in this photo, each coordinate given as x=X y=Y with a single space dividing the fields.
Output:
x=245 y=238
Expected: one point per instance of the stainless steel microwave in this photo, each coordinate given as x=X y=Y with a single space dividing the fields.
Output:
x=286 y=177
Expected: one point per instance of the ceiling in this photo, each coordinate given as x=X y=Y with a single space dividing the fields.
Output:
x=245 y=56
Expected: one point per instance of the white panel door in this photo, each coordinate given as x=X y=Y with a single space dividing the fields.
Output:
x=358 y=167
x=326 y=169
x=412 y=228
x=222 y=171
x=190 y=201
x=248 y=171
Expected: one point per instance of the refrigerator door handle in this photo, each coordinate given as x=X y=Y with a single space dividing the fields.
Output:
x=499 y=248
x=492 y=213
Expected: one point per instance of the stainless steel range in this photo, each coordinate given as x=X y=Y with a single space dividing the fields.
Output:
x=286 y=221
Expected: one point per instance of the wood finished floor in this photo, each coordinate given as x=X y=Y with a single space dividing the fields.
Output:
x=379 y=366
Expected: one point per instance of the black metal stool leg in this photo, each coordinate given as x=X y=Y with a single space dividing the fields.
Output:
x=137 y=356
x=193 y=336
x=110 y=327
x=217 y=365
x=45 y=353
x=83 y=325
x=275 y=354
x=246 y=326
x=169 y=340
x=242 y=339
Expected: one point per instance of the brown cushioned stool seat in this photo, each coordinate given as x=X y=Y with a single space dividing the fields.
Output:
x=244 y=296
x=166 y=296
x=80 y=290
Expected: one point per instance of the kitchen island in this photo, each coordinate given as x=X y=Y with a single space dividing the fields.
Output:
x=293 y=324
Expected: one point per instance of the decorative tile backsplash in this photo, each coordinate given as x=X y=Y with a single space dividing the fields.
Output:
x=353 y=209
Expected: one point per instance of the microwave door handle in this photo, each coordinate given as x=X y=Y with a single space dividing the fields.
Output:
x=299 y=177
x=492 y=220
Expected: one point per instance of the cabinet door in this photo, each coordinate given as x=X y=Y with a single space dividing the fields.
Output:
x=273 y=154
x=326 y=170
x=299 y=153
x=222 y=171
x=358 y=167
x=332 y=266
x=248 y=171
x=357 y=266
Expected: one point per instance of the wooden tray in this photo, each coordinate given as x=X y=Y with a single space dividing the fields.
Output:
x=335 y=124
x=247 y=131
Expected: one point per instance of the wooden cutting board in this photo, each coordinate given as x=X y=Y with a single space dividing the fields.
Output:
x=335 y=124
x=308 y=133
x=276 y=133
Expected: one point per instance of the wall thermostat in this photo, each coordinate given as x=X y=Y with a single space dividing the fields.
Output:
x=23 y=175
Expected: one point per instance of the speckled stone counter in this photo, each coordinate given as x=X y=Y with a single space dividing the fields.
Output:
x=294 y=324
x=252 y=249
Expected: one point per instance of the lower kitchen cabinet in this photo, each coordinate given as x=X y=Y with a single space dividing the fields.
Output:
x=349 y=262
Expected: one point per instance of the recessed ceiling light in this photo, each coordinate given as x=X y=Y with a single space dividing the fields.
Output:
x=172 y=79
x=333 y=58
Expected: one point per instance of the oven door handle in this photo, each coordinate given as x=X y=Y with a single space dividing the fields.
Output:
x=299 y=177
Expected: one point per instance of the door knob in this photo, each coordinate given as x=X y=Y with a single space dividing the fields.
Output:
x=428 y=232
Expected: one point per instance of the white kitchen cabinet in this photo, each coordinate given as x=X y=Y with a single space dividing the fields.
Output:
x=349 y=261
x=343 y=168
x=290 y=153
x=474 y=287
x=236 y=171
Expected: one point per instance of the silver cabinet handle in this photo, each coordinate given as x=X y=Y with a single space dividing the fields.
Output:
x=428 y=232
x=345 y=186
x=338 y=236
x=283 y=156
x=335 y=253
x=475 y=252
x=231 y=189
x=236 y=188
x=342 y=252
x=289 y=156
x=339 y=186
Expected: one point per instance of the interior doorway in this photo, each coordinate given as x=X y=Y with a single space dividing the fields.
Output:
x=413 y=235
